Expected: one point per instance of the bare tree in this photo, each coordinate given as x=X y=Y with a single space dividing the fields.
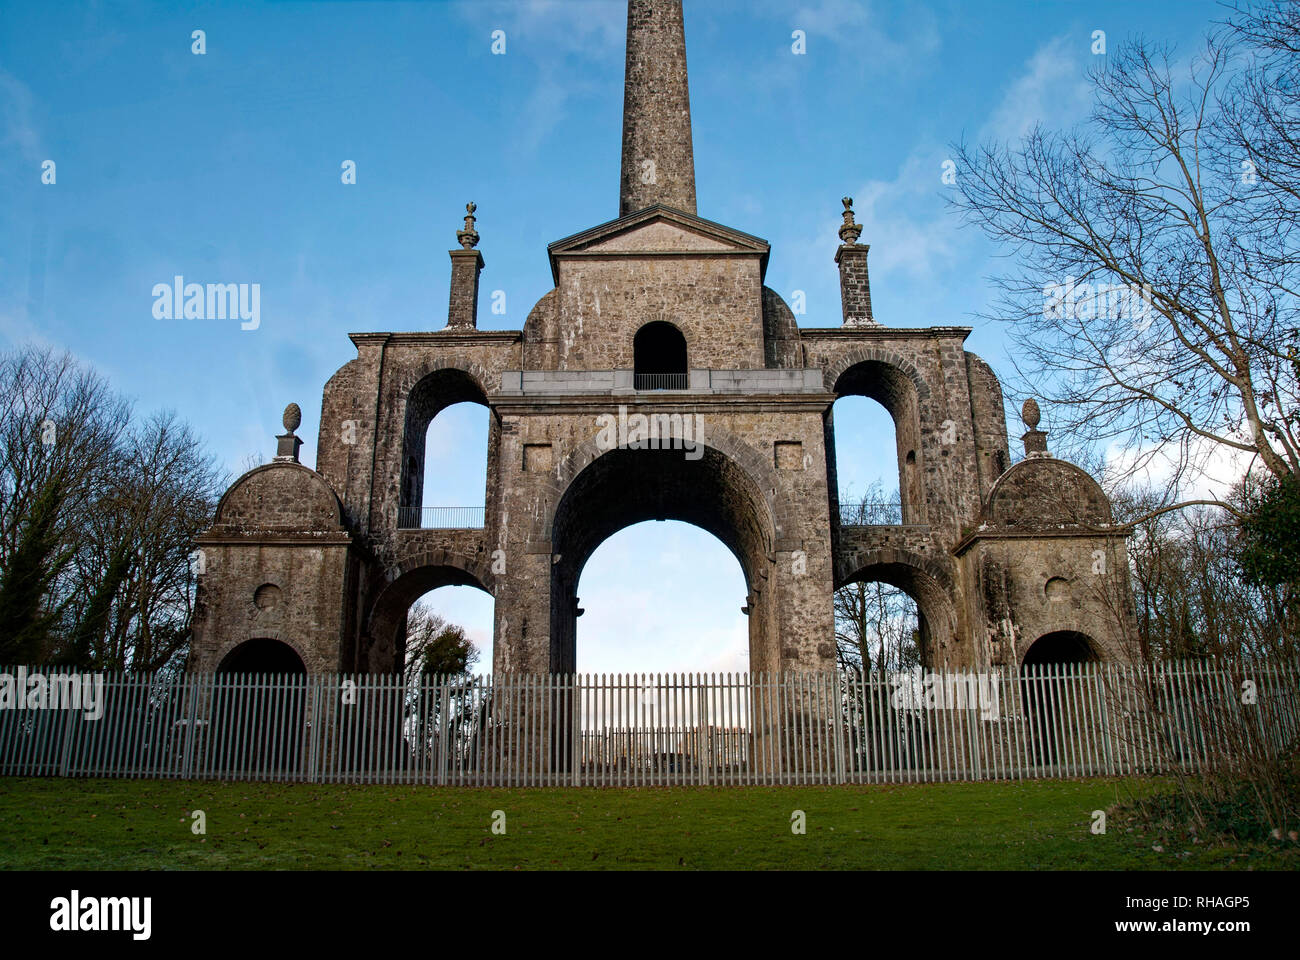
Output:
x=159 y=494
x=1154 y=304
x=97 y=520
x=58 y=420
x=876 y=625
x=1191 y=600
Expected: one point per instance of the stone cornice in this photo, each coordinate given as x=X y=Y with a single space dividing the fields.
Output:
x=444 y=336
x=882 y=332
x=1117 y=532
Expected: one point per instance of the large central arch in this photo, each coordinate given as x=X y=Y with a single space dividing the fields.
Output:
x=623 y=487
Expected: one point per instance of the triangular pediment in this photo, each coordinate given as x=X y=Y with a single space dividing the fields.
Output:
x=659 y=229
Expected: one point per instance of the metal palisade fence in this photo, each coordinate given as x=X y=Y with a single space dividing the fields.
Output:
x=1075 y=720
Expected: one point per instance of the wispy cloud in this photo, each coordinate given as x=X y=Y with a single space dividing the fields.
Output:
x=1052 y=88
x=553 y=37
x=880 y=39
x=20 y=132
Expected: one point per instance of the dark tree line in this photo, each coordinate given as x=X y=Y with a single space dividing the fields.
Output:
x=98 y=512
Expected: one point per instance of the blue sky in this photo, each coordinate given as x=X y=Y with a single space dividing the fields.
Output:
x=225 y=168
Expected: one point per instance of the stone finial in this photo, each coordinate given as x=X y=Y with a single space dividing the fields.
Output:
x=466 y=264
x=855 y=285
x=849 y=230
x=1035 y=440
x=1030 y=413
x=287 y=443
x=468 y=237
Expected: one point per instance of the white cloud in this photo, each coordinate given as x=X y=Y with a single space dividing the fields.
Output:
x=1053 y=89
x=1212 y=469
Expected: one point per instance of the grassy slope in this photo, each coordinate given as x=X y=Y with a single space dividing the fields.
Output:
x=128 y=824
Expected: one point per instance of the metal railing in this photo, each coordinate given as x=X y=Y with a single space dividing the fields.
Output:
x=668 y=729
x=661 y=381
x=873 y=514
x=441 y=518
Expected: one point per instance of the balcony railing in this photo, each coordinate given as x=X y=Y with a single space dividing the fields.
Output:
x=878 y=514
x=661 y=381
x=440 y=518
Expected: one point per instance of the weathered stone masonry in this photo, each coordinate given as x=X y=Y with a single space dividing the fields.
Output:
x=996 y=556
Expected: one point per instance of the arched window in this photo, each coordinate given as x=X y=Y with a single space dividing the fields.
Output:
x=444 y=453
x=659 y=357
x=876 y=409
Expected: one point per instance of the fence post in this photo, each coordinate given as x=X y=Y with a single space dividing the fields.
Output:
x=837 y=714
x=191 y=718
x=316 y=689
x=65 y=746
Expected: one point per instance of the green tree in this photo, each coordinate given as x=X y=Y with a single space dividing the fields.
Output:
x=1270 y=533
x=27 y=616
x=436 y=647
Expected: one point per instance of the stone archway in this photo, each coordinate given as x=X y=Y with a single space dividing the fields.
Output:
x=623 y=487
x=659 y=357
x=898 y=388
x=262 y=655
x=261 y=691
x=426 y=397
x=384 y=635
x=1048 y=687
x=1060 y=647
x=926 y=583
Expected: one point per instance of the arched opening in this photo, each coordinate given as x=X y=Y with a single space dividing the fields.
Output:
x=659 y=357
x=876 y=409
x=878 y=627
x=448 y=631
x=892 y=613
x=671 y=720
x=260 y=694
x=867 y=477
x=385 y=640
x=1060 y=647
x=446 y=448
x=632 y=594
x=626 y=487
x=262 y=655
x=1051 y=689
x=455 y=465
x=425 y=624
x=892 y=616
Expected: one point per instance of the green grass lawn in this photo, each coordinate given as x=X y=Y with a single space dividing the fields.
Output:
x=146 y=824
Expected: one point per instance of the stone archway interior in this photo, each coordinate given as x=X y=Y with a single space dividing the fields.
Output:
x=386 y=633
x=1044 y=688
x=1061 y=646
x=624 y=487
x=262 y=655
x=933 y=609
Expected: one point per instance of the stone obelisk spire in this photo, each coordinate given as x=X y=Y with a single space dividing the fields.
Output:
x=658 y=162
